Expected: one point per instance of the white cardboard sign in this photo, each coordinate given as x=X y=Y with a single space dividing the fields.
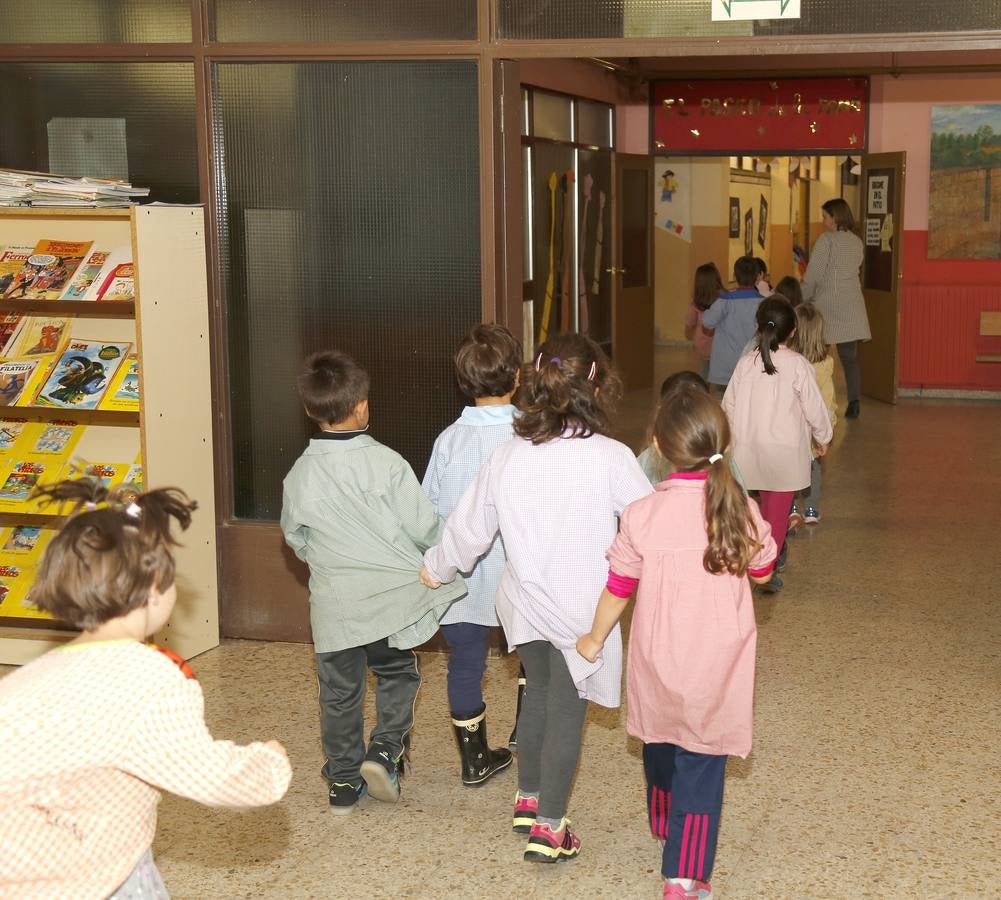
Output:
x=878 y=195
x=743 y=10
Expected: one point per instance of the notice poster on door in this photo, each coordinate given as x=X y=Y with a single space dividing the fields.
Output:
x=761 y=10
x=872 y=230
x=877 y=193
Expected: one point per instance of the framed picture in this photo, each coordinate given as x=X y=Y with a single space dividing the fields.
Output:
x=749 y=233
x=735 y=217
x=762 y=221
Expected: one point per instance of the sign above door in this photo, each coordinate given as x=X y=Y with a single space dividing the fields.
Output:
x=742 y=10
x=721 y=117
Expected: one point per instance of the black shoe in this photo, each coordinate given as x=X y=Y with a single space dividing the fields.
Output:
x=852 y=410
x=382 y=773
x=344 y=797
x=479 y=762
x=773 y=586
x=512 y=742
x=780 y=562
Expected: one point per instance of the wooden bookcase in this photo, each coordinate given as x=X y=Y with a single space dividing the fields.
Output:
x=168 y=323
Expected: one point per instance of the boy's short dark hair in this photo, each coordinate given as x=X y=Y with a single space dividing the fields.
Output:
x=331 y=385
x=487 y=362
x=684 y=380
x=745 y=271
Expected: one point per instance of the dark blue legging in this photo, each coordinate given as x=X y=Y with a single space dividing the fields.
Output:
x=467 y=661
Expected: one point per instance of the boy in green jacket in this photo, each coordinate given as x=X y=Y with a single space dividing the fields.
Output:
x=355 y=513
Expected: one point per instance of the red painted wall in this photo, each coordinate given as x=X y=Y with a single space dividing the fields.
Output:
x=941 y=300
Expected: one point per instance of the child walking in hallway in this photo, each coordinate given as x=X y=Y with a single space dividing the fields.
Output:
x=808 y=339
x=775 y=410
x=554 y=493
x=732 y=317
x=354 y=512
x=487 y=368
x=707 y=288
x=690 y=678
x=93 y=731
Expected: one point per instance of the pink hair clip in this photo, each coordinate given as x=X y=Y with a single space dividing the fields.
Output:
x=593 y=371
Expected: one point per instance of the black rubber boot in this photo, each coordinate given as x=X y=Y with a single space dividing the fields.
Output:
x=479 y=762
x=512 y=741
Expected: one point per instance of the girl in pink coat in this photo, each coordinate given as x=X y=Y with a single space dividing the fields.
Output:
x=777 y=415
x=690 y=678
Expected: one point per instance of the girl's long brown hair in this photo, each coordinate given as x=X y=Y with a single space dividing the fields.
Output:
x=808 y=338
x=691 y=429
x=105 y=561
x=569 y=386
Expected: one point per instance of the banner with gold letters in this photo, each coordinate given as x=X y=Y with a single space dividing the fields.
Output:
x=720 y=117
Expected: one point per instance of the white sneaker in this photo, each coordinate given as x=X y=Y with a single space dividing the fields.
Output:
x=811 y=516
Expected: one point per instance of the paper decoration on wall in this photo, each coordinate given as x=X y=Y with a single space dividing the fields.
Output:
x=964 y=203
x=872 y=228
x=673 y=198
x=886 y=234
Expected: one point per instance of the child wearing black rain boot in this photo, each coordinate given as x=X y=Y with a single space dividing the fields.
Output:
x=487 y=366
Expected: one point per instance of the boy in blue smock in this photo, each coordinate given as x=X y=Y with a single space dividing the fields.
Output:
x=487 y=368
x=732 y=318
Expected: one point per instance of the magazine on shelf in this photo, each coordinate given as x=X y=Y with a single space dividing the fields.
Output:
x=86 y=284
x=133 y=482
x=110 y=474
x=120 y=285
x=12 y=260
x=56 y=439
x=22 y=477
x=10 y=330
x=19 y=380
x=82 y=375
x=24 y=544
x=12 y=439
x=123 y=393
x=15 y=589
x=48 y=269
x=41 y=336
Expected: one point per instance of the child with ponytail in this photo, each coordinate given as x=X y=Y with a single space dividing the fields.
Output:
x=690 y=681
x=93 y=731
x=553 y=493
x=777 y=415
x=707 y=288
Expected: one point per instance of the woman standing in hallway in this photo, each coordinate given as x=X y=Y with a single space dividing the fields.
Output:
x=832 y=282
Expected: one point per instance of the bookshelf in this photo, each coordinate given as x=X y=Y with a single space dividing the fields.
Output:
x=168 y=324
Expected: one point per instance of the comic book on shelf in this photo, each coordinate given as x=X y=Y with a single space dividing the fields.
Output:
x=55 y=439
x=15 y=588
x=11 y=438
x=24 y=544
x=41 y=336
x=86 y=284
x=12 y=260
x=133 y=482
x=22 y=477
x=19 y=380
x=123 y=393
x=120 y=284
x=48 y=269
x=82 y=374
x=110 y=474
x=10 y=329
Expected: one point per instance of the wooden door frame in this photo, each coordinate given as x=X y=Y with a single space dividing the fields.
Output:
x=897 y=161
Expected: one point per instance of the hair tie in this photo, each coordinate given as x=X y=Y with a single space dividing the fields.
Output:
x=592 y=371
x=770 y=323
x=715 y=458
x=556 y=361
x=90 y=506
x=133 y=510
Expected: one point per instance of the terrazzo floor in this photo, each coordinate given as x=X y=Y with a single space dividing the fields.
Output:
x=875 y=770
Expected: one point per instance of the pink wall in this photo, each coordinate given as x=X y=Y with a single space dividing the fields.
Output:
x=941 y=300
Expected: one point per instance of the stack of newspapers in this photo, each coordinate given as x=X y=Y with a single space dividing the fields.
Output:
x=43 y=189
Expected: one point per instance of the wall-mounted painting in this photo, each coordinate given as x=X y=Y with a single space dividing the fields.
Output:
x=763 y=222
x=749 y=233
x=735 y=217
x=964 y=214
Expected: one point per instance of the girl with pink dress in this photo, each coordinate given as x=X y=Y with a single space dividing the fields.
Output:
x=689 y=549
x=553 y=492
x=778 y=416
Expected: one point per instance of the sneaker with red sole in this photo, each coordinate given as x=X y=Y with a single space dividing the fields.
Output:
x=548 y=846
x=687 y=889
x=525 y=811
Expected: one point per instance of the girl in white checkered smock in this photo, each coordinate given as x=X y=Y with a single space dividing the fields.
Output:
x=93 y=731
x=554 y=493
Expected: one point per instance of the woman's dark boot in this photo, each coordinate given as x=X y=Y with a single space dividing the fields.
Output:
x=513 y=740
x=853 y=410
x=479 y=762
